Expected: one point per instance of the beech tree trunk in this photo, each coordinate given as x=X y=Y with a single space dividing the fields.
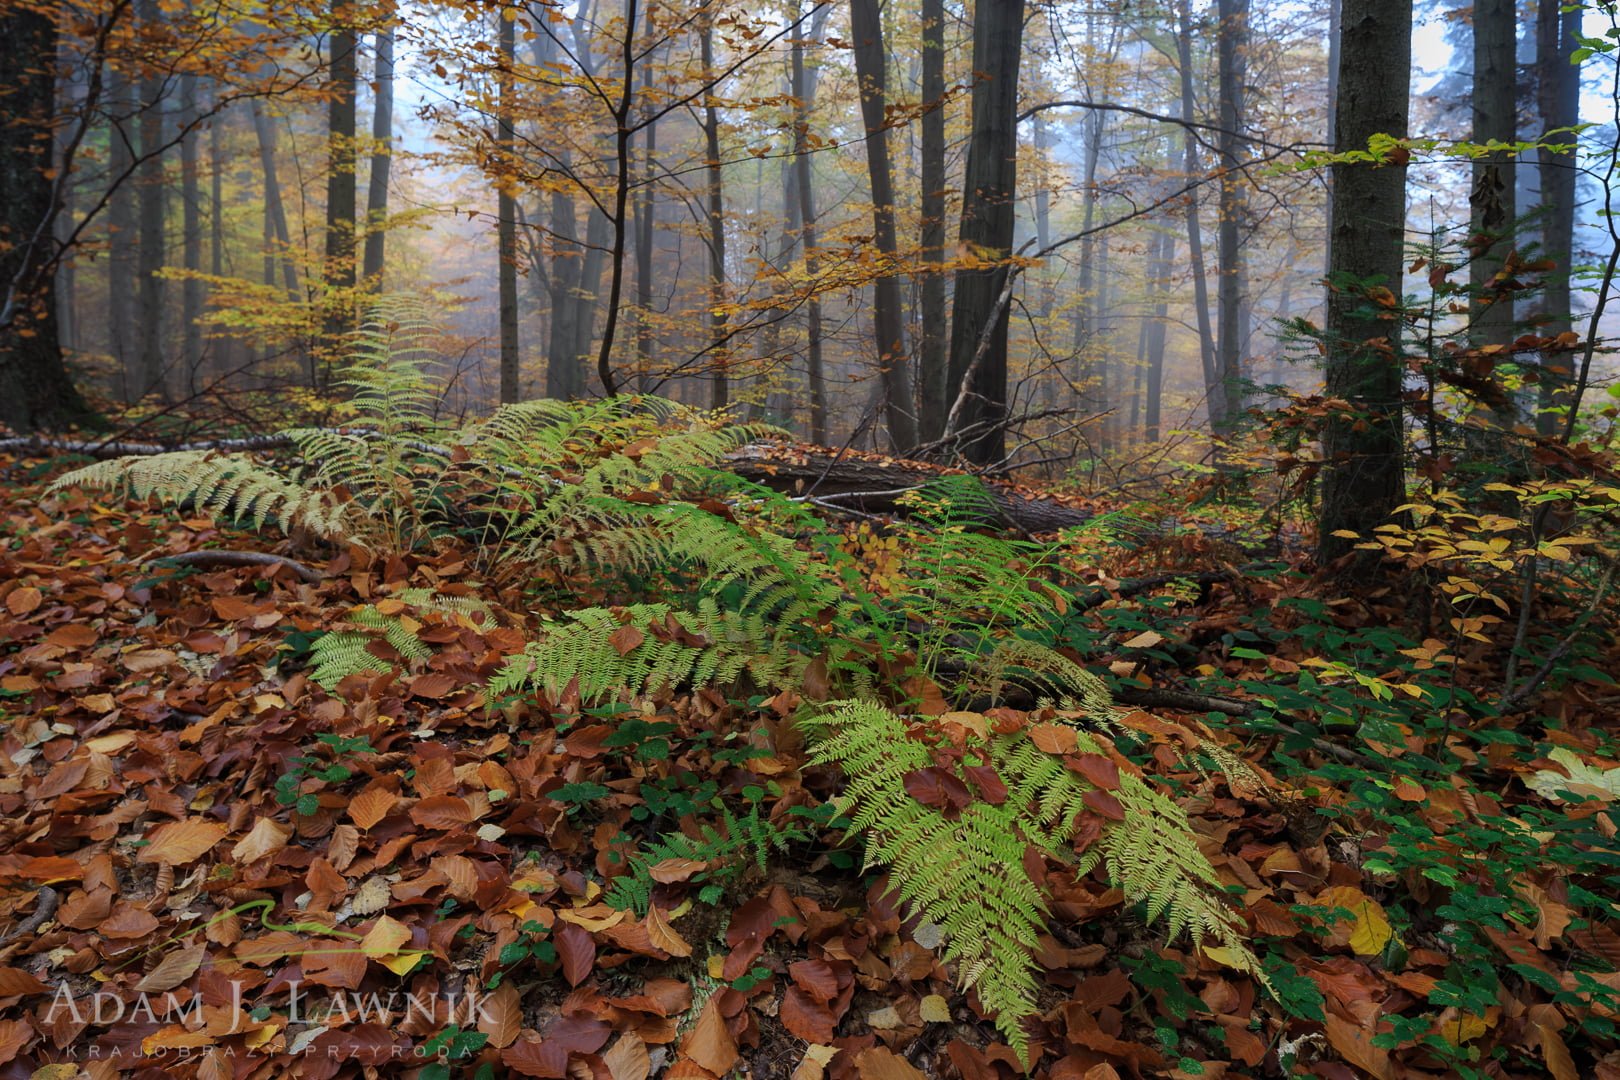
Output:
x=933 y=396
x=804 y=89
x=1559 y=101
x=149 y=261
x=1231 y=293
x=1195 y=236
x=122 y=258
x=506 y=220
x=278 y=242
x=720 y=387
x=989 y=194
x=39 y=394
x=1362 y=476
x=374 y=262
x=338 y=269
x=1153 y=406
x=191 y=291
x=888 y=321
x=1493 y=198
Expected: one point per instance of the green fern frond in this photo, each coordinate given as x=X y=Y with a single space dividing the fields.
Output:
x=966 y=875
x=232 y=488
x=751 y=837
x=340 y=653
x=705 y=647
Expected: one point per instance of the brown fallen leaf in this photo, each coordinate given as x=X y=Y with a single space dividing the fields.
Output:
x=174 y=969
x=181 y=842
x=265 y=838
x=709 y=1043
x=501 y=1016
x=663 y=935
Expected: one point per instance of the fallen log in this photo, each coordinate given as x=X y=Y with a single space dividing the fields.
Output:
x=874 y=484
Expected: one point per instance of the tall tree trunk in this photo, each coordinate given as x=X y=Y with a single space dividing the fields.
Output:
x=564 y=379
x=721 y=386
x=122 y=257
x=1362 y=476
x=191 y=292
x=646 y=211
x=1335 y=32
x=1232 y=45
x=1085 y=308
x=1558 y=99
x=1493 y=197
x=1195 y=236
x=224 y=348
x=374 y=262
x=150 y=258
x=1153 y=407
x=38 y=390
x=506 y=215
x=278 y=241
x=989 y=191
x=933 y=395
x=338 y=268
x=888 y=322
x=804 y=88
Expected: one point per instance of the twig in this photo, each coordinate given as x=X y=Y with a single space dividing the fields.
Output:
x=242 y=558
x=44 y=908
x=1515 y=701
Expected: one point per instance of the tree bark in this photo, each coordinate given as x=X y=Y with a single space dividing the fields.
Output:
x=338 y=269
x=1195 y=236
x=646 y=213
x=804 y=89
x=1362 y=476
x=38 y=392
x=375 y=259
x=1232 y=45
x=720 y=387
x=888 y=323
x=1558 y=99
x=989 y=193
x=1493 y=198
x=122 y=228
x=149 y=259
x=1154 y=393
x=511 y=390
x=932 y=373
x=278 y=241
x=191 y=291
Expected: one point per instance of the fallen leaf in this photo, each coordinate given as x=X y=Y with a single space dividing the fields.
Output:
x=709 y=1043
x=265 y=838
x=181 y=842
x=174 y=969
x=500 y=1016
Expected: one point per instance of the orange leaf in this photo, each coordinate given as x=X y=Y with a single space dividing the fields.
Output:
x=626 y=639
x=501 y=1016
x=21 y=601
x=663 y=935
x=669 y=871
x=709 y=1044
x=442 y=812
x=1053 y=738
x=371 y=806
x=181 y=842
x=265 y=838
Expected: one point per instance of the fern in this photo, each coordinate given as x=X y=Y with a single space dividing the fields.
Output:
x=338 y=654
x=751 y=837
x=966 y=874
x=645 y=647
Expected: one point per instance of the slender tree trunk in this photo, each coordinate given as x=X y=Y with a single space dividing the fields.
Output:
x=1195 y=237
x=39 y=393
x=989 y=194
x=646 y=211
x=887 y=319
x=804 y=85
x=150 y=258
x=721 y=386
x=506 y=214
x=932 y=375
x=374 y=262
x=1085 y=310
x=1335 y=31
x=1232 y=45
x=224 y=348
x=278 y=241
x=1559 y=101
x=338 y=269
x=621 y=196
x=1493 y=197
x=191 y=292
x=1363 y=450
x=122 y=255
x=1153 y=407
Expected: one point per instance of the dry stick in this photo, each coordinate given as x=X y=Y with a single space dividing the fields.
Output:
x=242 y=558
x=44 y=908
x=1519 y=698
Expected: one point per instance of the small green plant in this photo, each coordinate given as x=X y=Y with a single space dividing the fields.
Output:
x=289 y=787
x=725 y=853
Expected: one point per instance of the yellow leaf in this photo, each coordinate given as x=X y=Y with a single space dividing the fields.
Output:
x=934 y=1009
x=386 y=936
x=402 y=963
x=1368 y=927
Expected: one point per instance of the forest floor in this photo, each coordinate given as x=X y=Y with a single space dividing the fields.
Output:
x=212 y=867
